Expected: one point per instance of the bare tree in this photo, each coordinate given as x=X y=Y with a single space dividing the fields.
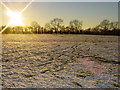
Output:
x=104 y=25
x=47 y=26
x=76 y=25
x=57 y=24
x=114 y=25
x=36 y=26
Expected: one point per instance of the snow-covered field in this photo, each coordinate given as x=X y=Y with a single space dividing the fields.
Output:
x=59 y=61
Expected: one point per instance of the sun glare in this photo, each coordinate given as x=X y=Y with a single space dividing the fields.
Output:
x=15 y=18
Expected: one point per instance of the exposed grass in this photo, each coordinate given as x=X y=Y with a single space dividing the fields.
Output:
x=44 y=71
x=97 y=82
x=84 y=74
x=78 y=75
x=56 y=66
x=77 y=84
x=117 y=75
x=116 y=85
x=59 y=77
x=28 y=76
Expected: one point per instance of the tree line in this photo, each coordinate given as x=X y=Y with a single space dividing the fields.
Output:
x=56 y=26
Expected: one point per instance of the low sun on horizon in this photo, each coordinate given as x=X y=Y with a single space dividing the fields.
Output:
x=15 y=18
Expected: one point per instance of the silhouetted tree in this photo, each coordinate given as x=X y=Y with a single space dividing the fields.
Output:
x=57 y=24
x=48 y=27
x=75 y=25
x=114 y=25
x=36 y=27
x=104 y=25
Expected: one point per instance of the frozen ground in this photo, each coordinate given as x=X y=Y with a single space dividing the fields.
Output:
x=59 y=61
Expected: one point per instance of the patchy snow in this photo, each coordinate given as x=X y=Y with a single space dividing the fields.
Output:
x=59 y=61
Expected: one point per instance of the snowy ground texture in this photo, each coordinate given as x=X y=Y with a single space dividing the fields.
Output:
x=59 y=61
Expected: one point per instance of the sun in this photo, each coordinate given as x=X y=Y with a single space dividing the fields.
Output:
x=15 y=18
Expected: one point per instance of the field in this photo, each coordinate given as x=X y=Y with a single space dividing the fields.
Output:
x=59 y=61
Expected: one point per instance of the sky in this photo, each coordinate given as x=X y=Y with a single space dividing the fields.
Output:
x=90 y=13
